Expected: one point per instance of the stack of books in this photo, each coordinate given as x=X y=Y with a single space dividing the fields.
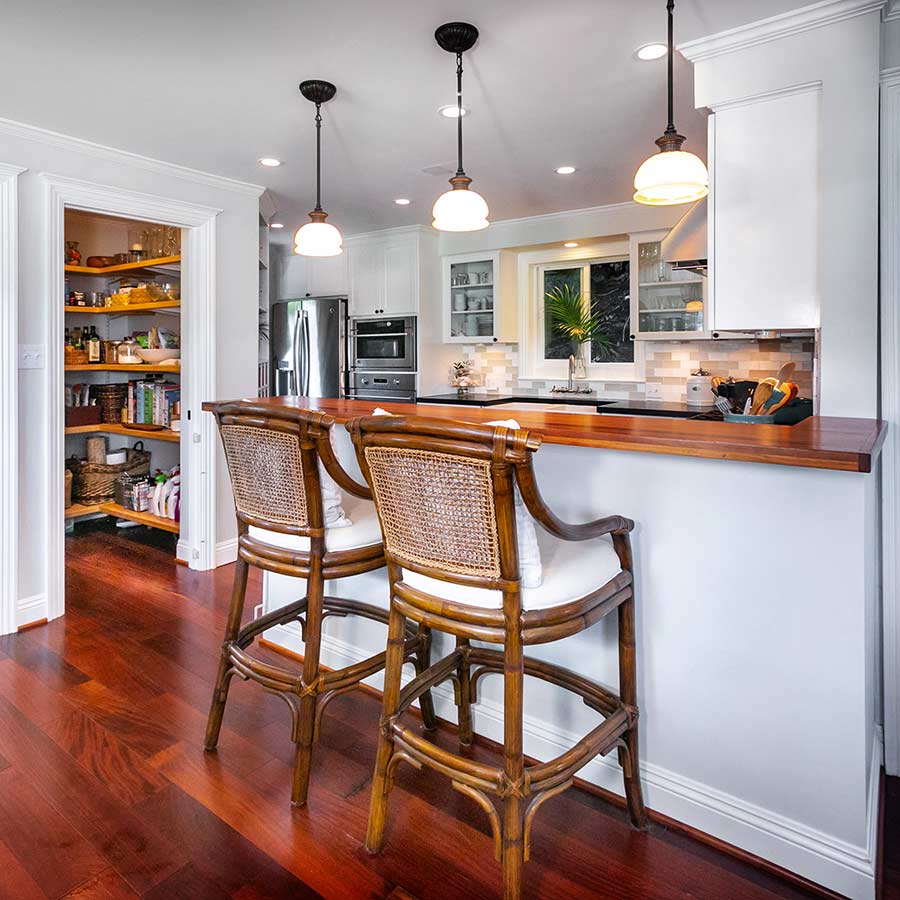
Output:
x=153 y=403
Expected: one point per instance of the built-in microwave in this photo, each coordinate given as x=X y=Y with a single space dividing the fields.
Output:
x=378 y=344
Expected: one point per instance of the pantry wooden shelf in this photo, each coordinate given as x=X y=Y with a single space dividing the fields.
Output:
x=144 y=518
x=81 y=509
x=125 y=267
x=102 y=367
x=111 y=428
x=145 y=308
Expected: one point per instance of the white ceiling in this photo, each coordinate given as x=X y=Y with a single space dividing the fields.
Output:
x=212 y=84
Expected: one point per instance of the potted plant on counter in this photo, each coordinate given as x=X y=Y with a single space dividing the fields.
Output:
x=571 y=317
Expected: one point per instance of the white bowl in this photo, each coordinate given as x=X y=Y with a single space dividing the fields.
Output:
x=155 y=357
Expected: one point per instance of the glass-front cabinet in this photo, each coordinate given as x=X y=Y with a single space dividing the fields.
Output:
x=667 y=304
x=477 y=305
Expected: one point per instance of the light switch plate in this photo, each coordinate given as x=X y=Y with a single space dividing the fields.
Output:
x=652 y=391
x=31 y=356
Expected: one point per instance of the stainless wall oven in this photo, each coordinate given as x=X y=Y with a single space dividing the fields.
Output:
x=384 y=344
x=397 y=386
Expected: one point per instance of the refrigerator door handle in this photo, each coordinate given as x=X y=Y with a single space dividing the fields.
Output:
x=295 y=352
x=306 y=354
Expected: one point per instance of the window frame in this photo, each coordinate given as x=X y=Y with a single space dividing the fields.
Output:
x=531 y=307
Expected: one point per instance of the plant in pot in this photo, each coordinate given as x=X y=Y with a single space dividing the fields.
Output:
x=571 y=317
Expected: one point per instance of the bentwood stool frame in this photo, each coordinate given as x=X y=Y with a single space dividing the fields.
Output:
x=273 y=457
x=461 y=479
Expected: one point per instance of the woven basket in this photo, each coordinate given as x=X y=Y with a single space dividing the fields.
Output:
x=96 y=482
x=76 y=357
x=110 y=398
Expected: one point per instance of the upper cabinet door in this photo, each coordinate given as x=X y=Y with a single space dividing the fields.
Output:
x=764 y=213
x=328 y=275
x=401 y=293
x=366 y=278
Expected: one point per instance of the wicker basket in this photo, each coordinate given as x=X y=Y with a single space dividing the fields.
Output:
x=76 y=357
x=96 y=482
x=110 y=398
x=68 y=488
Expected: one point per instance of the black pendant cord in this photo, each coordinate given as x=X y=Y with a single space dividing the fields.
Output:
x=670 y=128
x=459 y=115
x=319 y=158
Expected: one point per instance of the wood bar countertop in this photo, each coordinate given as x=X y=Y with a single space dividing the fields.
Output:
x=820 y=442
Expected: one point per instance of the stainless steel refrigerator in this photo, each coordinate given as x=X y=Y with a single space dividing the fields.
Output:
x=309 y=347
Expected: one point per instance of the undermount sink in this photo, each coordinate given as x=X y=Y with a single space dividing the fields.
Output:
x=542 y=406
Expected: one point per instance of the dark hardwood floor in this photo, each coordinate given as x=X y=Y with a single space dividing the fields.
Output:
x=106 y=793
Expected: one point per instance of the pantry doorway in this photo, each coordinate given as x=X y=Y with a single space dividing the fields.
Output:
x=193 y=445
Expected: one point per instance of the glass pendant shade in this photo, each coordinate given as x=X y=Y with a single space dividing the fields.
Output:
x=318 y=238
x=671 y=177
x=460 y=209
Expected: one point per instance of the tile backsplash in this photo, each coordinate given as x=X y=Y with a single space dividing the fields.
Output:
x=667 y=364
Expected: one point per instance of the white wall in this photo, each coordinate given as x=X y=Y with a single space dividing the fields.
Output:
x=236 y=303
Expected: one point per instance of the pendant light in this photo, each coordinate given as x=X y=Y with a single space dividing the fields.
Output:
x=673 y=175
x=459 y=209
x=317 y=237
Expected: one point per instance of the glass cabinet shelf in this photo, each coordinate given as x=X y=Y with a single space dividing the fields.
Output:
x=666 y=302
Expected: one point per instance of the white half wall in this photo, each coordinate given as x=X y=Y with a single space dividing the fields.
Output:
x=756 y=682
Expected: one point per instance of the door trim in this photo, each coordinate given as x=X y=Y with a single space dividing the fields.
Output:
x=9 y=392
x=198 y=461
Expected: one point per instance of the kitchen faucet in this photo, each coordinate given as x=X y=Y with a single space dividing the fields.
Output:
x=570 y=384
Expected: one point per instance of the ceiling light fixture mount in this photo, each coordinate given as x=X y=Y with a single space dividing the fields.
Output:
x=673 y=175
x=459 y=209
x=317 y=237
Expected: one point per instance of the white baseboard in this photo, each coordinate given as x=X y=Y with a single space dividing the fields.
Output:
x=226 y=552
x=32 y=609
x=820 y=857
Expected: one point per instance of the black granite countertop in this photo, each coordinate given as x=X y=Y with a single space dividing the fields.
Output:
x=589 y=401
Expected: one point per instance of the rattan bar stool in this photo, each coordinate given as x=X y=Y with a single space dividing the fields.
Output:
x=273 y=458
x=444 y=492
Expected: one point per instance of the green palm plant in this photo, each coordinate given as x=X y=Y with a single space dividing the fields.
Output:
x=571 y=317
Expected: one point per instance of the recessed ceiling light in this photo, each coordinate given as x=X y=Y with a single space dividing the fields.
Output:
x=276 y=225
x=451 y=111
x=402 y=201
x=269 y=161
x=654 y=50
x=565 y=170
x=570 y=244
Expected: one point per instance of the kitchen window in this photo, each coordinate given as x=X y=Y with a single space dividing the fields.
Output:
x=604 y=283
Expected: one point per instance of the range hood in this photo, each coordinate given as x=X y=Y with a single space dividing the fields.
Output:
x=684 y=247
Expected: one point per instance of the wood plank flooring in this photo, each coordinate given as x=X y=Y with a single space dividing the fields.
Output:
x=106 y=793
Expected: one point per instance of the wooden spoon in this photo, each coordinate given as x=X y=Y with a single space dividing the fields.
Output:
x=785 y=373
x=760 y=396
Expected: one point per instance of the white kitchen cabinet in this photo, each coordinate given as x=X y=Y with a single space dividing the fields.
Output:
x=479 y=303
x=328 y=275
x=764 y=213
x=666 y=304
x=385 y=274
x=307 y=276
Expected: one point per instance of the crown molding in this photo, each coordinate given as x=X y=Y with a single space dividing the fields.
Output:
x=267 y=205
x=794 y=22
x=890 y=77
x=891 y=11
x=126 y=157
x=398 y=231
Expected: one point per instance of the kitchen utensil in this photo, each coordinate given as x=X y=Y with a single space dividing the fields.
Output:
x=723 y=405
x=760 y=396
x=747 y=404
x=789 y=392
x=716 y=381
x=785 y=373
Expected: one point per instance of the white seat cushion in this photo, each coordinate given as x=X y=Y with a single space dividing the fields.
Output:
x=364 y=531
x=572 y=569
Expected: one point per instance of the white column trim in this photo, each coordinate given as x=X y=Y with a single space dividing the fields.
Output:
x=198 y=322
x=890 y=410
x=9 y=392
